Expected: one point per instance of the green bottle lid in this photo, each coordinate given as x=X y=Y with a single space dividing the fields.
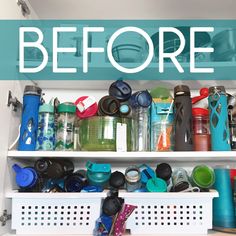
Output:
x=203 y=176
x=46 y=108
x=67 y=107
x=160 y=92
x=156 y=185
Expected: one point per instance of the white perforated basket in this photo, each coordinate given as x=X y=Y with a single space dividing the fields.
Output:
x=55 y=213
x=170 y=213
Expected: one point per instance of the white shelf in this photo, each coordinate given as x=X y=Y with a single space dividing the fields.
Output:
x=212 y=156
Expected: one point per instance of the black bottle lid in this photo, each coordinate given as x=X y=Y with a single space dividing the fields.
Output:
x=181 y=90
x=163 y=171
x=112 y=205
x=117 y=179
x=33 y=90
x=108 y=106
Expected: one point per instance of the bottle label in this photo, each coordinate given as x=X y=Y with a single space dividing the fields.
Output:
x=121 y=137
x=86 y=103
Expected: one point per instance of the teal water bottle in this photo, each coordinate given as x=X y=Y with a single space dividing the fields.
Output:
x=46 y=132
x=219 y=125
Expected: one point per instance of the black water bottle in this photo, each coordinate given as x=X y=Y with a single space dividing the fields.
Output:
x=183 y=119
x=54 y=169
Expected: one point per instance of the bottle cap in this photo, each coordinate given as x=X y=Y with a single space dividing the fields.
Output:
x=25 y=177
x=120 y=90
x=86 y=107
x=163 y=171
x=160 y=92
x=66 y=107
x=108 y=105
x=181 y=90
x=156 y=185
x=146 y=173
x=46 y=108
x=216 y=89
x=132 y=174
x=32 y=90
x=124 y=109
x=112 y=205
x=75 y=183
x=197 y=111
x=141 y=99
x=203 y=176
x=117 y=179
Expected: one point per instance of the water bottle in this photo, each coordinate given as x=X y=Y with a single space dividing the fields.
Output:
x=54 y=169
x=75 y=182
x=98 y=174
x=219 y=125
x=46 y=132
x=161 y=120
x=203 y=176
x=133 y=178
x=25 y=177
x=29 y=119
x=140 y=103
x=65 y=127
x=183 y=119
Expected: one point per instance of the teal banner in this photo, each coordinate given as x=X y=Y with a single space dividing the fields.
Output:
x=107 y=50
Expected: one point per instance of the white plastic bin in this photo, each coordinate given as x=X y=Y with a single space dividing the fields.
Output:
x=55 y=213
x=170 y=213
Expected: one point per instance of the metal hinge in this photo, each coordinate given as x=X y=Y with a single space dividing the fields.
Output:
x=5 y=217
x=13 y=101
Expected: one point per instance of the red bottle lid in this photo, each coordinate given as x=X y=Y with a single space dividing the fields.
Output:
x=86 y=107
x=197 y=111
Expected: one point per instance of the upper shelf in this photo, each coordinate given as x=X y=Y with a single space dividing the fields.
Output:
x=211 y=156
x=149 y=77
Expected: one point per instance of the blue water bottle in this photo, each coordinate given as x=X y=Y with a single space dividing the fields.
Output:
x=29 y=119
x=219 y=125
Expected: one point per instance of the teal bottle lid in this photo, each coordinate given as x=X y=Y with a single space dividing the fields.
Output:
x=46 y=108
x=156 y=185
x=67 y=107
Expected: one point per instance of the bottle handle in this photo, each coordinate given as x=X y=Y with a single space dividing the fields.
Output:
x=204 y=92
x=17 y=168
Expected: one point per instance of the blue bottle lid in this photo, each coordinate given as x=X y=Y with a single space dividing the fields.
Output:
x=120 y=90
x=146 y=173
x=141 y=99
x=25 y=177
x=92 y=189
x=124 y=109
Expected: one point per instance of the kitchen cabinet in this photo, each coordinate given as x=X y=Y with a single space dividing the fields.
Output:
x=72 y=89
